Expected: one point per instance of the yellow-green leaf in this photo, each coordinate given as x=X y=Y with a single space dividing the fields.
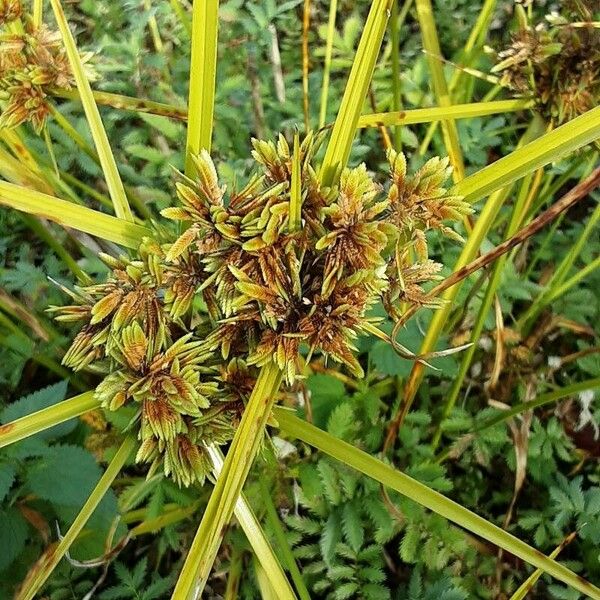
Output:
x=48 y=417
x=344 y=128
x=434 y=501
x=256 y=536
x=549 y=147
x=219 y=510
x=107 y=159
x=439 y=113
x=434 y=57
x=203 y=72
x=72 y=215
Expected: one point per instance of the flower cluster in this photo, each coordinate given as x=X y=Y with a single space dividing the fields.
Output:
x=33 y=63
x=180 y=331
x=557 y=63
x=10 y=11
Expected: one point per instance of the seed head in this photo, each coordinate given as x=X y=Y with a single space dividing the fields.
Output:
x=180 y=330
x=556 y=63
x=32 y=65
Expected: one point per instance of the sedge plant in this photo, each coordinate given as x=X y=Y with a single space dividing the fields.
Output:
x=211 y=312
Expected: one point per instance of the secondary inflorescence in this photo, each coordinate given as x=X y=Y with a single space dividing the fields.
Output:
x=180 y=331
x=557 y=63
x=33 y=65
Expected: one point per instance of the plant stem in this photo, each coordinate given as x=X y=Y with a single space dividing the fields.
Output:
x=256 y=535
x=437 y=113
x=228 y=487
x=528 y=318
x=474 y=42
x=542 y=400
x=182 y=16
x=305 y=63
x=203 y=73
x=396 y=84
x=327 y=62
x=107 y=159
x=431 y=45
x=234 y=575
x=52 y=557
x=528 y=584
x=484 y=309
x=282 y=543
x=355 y=93
x=121 y=102
x=295 y=216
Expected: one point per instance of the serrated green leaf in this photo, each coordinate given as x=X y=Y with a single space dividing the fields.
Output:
x=65 y=476
x=326 y=393
x=13 y=534
x=330 y=482
x=7 y=477
x=341 y=421
x=330 y=537
x=352 y=526
x=410 y=543
x=346 y=590
x=387 y=361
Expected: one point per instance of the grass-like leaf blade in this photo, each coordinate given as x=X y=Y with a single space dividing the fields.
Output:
x=107 y=159
x=434 y=501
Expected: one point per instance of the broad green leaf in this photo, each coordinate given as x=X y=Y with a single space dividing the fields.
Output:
x=7 y=478
x=387 y=361
x=74 y=467
x=410 y=543
x=341 y=421
x=326 y=392
x=13 y=534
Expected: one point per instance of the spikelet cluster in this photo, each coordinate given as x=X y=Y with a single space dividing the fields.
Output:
x=10 y=11
x=181 y=330
x=33 y=63
x=557 y=63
